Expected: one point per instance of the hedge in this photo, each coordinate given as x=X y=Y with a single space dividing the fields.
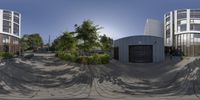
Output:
x=66 y=56
x=94 y=59
x=6 y=55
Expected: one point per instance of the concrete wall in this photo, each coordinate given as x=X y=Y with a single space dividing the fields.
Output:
x=156 y=42
x=154 y=28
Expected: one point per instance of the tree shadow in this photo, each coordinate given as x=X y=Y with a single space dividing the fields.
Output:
x=185 y=81
x=112 y=80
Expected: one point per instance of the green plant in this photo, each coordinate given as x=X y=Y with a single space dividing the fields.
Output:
x=87 y=35
x=104 y=58
x=82 y=60
x=95 y=59
x=101 y=58
x=6 y=55
x=67 y=56
x=106 y=43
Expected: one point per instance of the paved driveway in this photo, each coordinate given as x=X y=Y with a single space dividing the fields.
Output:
x=44 y=77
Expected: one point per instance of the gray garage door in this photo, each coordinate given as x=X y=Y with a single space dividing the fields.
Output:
x=140 y=53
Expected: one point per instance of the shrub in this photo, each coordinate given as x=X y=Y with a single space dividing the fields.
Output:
x=6 y=55
x=95 y=59
x=104 y=58
x=82 y=60
x=66 y=56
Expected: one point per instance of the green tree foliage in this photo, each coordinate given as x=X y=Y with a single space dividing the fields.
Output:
x=35 y=40
x=106 y=43
x=66 y=42
x=32 y=41
x=77 y=46
x=24 y=43
x=87 y=34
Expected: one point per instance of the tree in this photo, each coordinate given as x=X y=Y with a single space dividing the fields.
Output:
x=24 y=43
x=106 y=43
x=35 y=41
x=32 y=41
x=66 y=42
x=87 y=34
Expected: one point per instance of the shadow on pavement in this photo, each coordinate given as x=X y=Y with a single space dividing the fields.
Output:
x=111 y=80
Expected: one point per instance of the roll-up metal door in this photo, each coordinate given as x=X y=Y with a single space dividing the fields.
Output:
x=140 y=53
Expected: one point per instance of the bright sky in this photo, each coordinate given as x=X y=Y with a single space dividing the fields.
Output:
x=120 y=18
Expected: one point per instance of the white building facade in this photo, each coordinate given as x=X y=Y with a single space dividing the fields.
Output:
x=182 y=31
x=10 y=30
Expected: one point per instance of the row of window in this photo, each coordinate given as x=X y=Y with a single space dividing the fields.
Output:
x=182 y=27
x=188 y=43
x=7 y=15
x=7 y=40
x=7 y=27
x=7 y=21
x=16 y=29
x=184 y=15
x=193 y=27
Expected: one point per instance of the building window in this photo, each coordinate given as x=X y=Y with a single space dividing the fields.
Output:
x=181 y=11
x=168 y=15
x=16 y=29
x=167 y=19
x=167 y=27
x=195 y=27
x=15 y=41
x=194 y=15
x=6 y=26
x=7 y=15
x=168 y=33
x=196 y=35
x=181 y=15
x=6 y=39
x=16 y=19
x=16 y=14
x=195 y=11
x=182 y=27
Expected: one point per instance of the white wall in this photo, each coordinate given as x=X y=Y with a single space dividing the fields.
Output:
x=1 y=21
x=153 y=28
x=169 y=41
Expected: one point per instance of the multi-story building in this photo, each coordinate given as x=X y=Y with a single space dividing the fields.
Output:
x=10 y=29
x=182 y=31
